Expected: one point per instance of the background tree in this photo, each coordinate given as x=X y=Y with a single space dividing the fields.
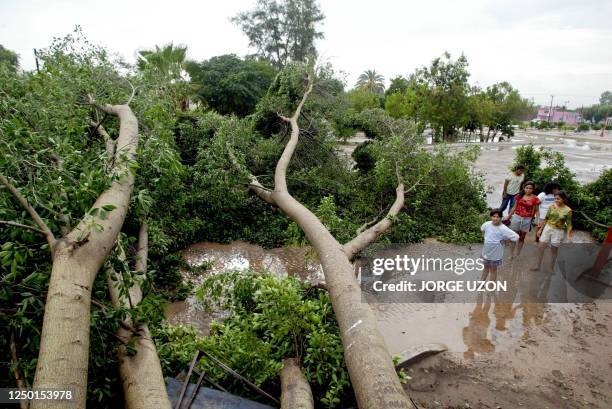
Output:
x=360 y=99
x=167 y=60
x=8 y=59
x=231 y=85
x=605 y=98
x=282 y=31
x=508 y=108
x=398 y=84
x=597 y=113
x=443 y=93
x=371 y=81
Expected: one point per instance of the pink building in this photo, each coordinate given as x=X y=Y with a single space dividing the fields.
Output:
x=558 y=115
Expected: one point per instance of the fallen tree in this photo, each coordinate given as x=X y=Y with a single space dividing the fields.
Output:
x=370 y=366
x=77 y=257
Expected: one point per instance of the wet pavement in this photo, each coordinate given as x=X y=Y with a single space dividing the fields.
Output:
x=586 y=158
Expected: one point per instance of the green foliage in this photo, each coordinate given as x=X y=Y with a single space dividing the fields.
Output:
x=443 y=93
x=57 y=161
x=230 y=85
x=268 y=319
x=432 y=209
x=583 y=127
x=397 y=85
x=554 y=169
x=596 y=202
x=598 y=112
x=8 y=59
x=605 y=98
x=508 y=106
x=363 y=157
x=360 y=99
x=543 y=125
x=282 y=31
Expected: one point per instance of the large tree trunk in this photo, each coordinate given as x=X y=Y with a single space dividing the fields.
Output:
x=371 y=369
x=141 y=374
x=295 y=390
x=64 y=343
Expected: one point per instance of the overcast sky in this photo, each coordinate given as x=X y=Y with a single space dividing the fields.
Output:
x=559 y=47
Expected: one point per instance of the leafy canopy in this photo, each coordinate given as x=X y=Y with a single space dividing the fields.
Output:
x=231 y=85
x=282 y=31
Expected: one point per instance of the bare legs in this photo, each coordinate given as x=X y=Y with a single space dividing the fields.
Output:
x=553 y=256
x=489 y=269
x=521 y=241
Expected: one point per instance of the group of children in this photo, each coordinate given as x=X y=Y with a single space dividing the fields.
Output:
x=549 y=209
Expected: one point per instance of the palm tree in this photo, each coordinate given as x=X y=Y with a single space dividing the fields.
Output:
x=371 y=81
x=168 y=60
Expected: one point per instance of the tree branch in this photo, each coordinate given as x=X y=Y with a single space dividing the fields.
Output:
x=368 y=236
x=365 y=237
x=25 y=226
x=24 y=202
x=254 y=185
x=64 y=218
x=22 y=403
x=109 y=142
x=280 y=174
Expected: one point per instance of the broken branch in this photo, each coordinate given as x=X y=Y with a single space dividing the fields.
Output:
x=24 y=202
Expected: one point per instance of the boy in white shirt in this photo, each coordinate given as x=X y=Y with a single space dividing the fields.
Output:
x=495 y=235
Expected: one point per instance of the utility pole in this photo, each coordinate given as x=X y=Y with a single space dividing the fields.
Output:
x=36 y=58
x=550 y=108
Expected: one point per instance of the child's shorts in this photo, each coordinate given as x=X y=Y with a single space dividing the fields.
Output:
x=491 y=263
x=520 y=223
x=552 y=235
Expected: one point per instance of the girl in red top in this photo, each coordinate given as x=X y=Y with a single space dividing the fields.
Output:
x=526 y=206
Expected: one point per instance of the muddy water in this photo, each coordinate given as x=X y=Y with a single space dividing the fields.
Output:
x=298 y=262
x=470 y=329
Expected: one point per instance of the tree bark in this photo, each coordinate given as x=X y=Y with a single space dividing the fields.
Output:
x=295 y=390
x=371 y=369
x=64 y=343
x=141 y=374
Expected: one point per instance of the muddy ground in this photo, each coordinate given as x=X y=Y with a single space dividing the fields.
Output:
x=564 y=362
x=499 y=354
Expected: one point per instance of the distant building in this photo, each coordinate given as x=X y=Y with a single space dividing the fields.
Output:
x=558 y=115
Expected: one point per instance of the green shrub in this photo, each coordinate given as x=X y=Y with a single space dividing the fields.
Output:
x=583 y=127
